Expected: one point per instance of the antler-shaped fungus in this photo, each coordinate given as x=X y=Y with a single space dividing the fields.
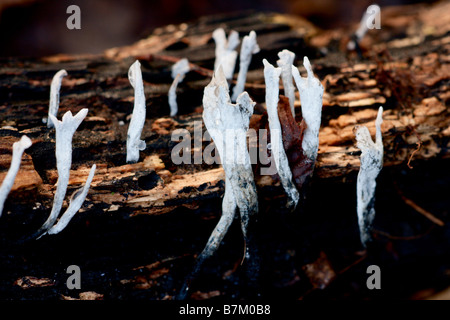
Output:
x=248 y=49
x=272 y=79
x=54 y=96
x=18 y=149
x=225 y=53
x=134 y=142
x=311 y=93
x=179 y=69
x=228 y=124
x=371 y=165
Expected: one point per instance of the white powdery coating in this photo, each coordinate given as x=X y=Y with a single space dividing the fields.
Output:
x=179 y=70
x=272 y=80
x=221 y=116
x=65 y=130
x=225 y=54
x=311 y=93
x=285 y=63
x=18 y=149
x=75 y=204
x=371 y=164
x=248 y=49
x=134 y=142
x=54 y=96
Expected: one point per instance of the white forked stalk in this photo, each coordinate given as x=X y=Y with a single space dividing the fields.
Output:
x=248 y=49
x=54 y=96
x=371 y=165
x=179 y=69
x=18 y=149
x=227 y=125
x=65 y=130
x=285 y=63
x=225 y=53
x=311 y=93
x=134 y=142
x=272 y=79
x=75 y=204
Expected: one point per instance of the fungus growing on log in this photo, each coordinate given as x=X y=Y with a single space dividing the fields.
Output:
x=371 y=165
x=225 y=53
x=285 y=63
x=65 y=130
x=54 y=96
x=76 y=202
x=179 y=69
x=248 y=48
x=272 y=79
x=18 y=149
x=311 y=93
x=371 y=16
x=134 y=142
x=228 y=124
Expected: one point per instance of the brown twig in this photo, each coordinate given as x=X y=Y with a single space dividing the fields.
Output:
x=418 y=208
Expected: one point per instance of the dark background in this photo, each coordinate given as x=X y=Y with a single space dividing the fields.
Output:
x=38 y=27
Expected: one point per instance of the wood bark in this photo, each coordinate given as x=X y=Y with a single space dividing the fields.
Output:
x=404 y=67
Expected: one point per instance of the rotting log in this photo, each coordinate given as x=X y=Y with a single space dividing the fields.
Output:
x=404 y=66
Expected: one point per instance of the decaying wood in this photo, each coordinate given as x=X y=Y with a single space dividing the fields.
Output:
x=417 y=68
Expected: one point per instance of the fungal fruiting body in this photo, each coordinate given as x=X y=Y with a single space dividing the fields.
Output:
x=227 y=125
x=248 y=49
x=311 y=93
x=54 y=96
x=225 y=54
x=272 y=79
x=285 y=63
x=371 y=16
x=75 y=204
x=179 y=69
x=18 y=149
x=371 y=165
x=134 y=142
x=65 y=130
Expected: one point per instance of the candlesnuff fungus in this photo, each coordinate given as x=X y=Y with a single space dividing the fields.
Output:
x=225 y=53
x=311 y=93
x=134 y=142
x=248 y=48
x=54 y=96
x=179 y=69
x=65 y=130
x=227 y=125
x=272 y=79
x=18 y=149
x=371 y=165
x=370 y=16
x=285 y=63
x=76 y=202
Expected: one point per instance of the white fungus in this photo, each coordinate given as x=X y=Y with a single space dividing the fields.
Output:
x=370 y=19
x=272 y=80
x=54 y=96
x=371 y=165
x=225 y=54
x=65 y=130
x=75 y=204
x=311 y=93
x=134 y=142
x=227 y=125
x=18 y=149
x=179 y=70
x=248 y=48
x=285 y=63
